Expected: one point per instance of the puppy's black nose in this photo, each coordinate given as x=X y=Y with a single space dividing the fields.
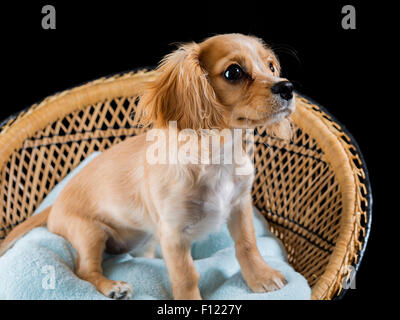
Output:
x=284 y=89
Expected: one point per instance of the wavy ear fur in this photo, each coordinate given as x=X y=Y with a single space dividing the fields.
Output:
x=182 y=93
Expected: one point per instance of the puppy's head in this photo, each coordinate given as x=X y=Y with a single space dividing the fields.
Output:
x=227 y=81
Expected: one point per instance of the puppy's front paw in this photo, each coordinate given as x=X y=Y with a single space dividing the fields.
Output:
x=120 y=291
x=265 y=279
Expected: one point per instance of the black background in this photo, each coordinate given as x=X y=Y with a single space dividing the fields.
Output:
x=96 y=38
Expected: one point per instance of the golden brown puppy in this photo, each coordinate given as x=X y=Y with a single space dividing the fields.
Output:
x=122 y=199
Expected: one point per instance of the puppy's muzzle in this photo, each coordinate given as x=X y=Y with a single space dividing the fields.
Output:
x=284 y=89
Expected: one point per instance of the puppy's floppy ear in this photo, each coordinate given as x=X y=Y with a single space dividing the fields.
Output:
x=181 y=92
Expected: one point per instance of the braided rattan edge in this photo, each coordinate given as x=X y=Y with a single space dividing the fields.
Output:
x=330 y=285
x=353 y=237
x=364 y=194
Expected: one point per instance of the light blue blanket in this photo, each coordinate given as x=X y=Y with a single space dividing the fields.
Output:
x=41 y=266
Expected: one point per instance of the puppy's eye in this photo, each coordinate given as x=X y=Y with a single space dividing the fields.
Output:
x=234 y=73
x=271 y=67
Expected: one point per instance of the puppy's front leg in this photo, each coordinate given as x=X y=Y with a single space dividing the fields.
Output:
x=182 y=273
x=259 y=276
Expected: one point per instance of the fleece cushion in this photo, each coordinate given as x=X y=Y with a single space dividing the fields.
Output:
x=41 y=266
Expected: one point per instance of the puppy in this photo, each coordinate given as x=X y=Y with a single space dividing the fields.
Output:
x=120 y=200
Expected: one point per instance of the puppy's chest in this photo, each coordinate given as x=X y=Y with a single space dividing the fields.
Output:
x=209 y=205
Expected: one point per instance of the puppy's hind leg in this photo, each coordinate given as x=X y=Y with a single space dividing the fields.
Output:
x=88 y=239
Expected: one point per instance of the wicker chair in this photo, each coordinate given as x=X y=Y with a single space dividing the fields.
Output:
x=314 y=191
